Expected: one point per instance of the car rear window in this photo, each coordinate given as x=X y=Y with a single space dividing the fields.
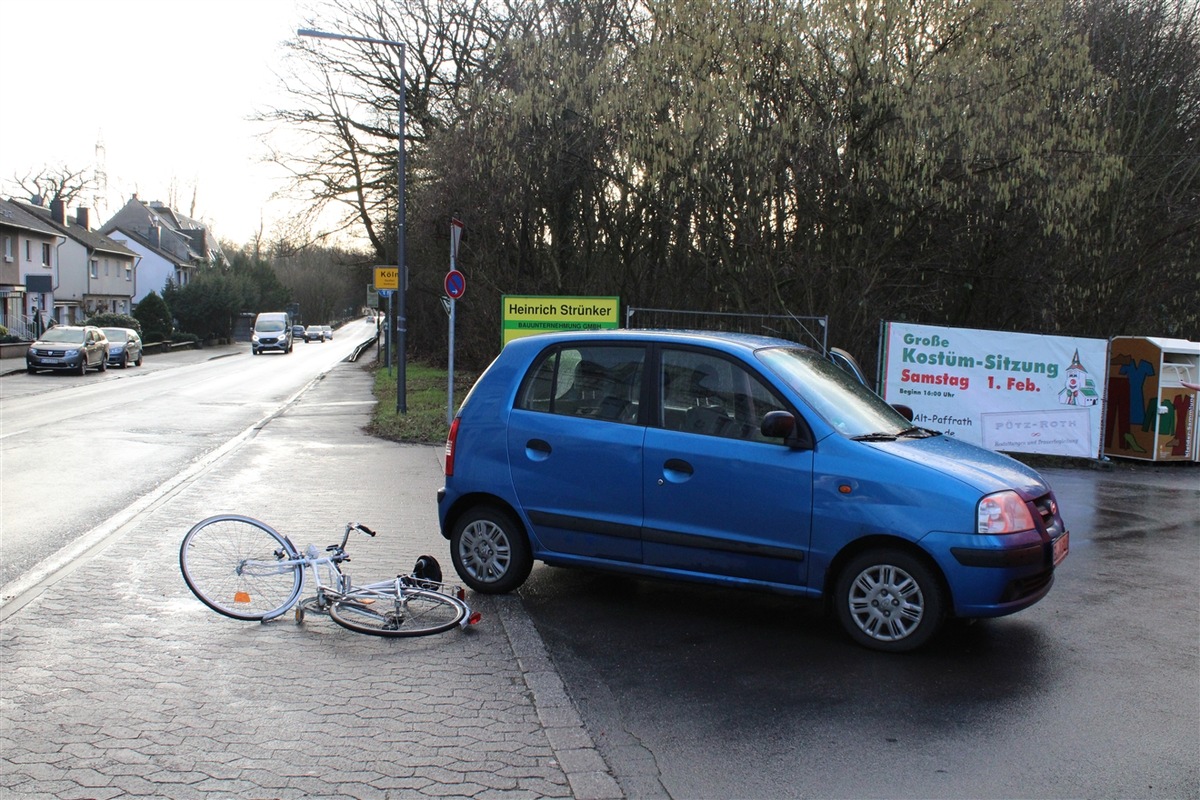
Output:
x=595 y=381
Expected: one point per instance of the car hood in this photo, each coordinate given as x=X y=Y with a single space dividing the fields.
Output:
x=983 y=469
x=56 y=345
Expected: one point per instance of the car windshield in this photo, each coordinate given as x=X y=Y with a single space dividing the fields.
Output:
x=63 y=335
x=843 y=402
x=267 y=326
x=115 y=334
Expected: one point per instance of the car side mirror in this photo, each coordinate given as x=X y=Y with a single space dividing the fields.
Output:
x=778 y=425
x=905 y=411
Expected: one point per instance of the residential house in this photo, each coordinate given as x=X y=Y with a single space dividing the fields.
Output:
x=171 y=245
x=96 y=275
x=29 y=250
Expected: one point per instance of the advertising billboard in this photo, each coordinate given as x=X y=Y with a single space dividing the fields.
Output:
x=525 y=315
x=1011 y=392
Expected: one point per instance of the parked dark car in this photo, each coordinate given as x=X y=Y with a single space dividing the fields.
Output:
x=738 y=461
x=297 y=332
x=76 y=348
x=124 y=347
x=314 y=333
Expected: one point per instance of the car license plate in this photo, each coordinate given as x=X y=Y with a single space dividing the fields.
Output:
x=1061 y=545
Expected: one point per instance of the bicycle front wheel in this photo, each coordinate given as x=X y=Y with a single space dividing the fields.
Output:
x=413 y=612
x=240 y=567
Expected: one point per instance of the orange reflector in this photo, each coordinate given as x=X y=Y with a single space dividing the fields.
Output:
x=461 y=593
x=474 y=618
x=241 y=597
x=844 y=489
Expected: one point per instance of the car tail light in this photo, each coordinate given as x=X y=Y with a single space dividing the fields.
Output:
x=1003 y=512
x=450 y=439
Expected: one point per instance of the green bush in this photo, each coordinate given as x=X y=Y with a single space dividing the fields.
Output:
x=155 y=318
x=109 y=320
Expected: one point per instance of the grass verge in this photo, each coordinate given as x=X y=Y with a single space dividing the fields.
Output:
x=425 y=396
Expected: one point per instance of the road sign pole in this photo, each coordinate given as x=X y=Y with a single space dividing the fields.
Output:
x=454 y=289
x=450 y=387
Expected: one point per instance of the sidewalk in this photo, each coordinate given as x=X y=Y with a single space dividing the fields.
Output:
x=117 y=682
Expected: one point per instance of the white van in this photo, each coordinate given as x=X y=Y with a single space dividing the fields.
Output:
x=272 y=331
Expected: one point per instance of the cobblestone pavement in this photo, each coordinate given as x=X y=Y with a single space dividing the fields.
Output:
x=117 y=682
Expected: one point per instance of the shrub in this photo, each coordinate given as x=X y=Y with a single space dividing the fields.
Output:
x=109 y=320
x=155 y=318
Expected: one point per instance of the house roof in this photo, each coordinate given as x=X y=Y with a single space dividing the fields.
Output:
x=141 y=239
x=12 y=214
x=180 y=237
x=92 y=240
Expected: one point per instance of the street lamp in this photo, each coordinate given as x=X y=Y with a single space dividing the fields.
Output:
x=402 y=282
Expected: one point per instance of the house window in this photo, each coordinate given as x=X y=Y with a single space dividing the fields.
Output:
x=128 y=273
x=8 y=248
x=94 y=271
x=106 y=267
x=45 y=254
x=28 y=250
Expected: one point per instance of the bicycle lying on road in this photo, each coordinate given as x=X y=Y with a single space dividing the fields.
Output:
x=245 y=569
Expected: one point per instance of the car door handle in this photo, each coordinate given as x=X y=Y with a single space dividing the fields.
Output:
x=676 y=470
x=537 y=449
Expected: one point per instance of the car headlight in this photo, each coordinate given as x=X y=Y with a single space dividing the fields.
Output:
x=1003 y=512
x=254 y=337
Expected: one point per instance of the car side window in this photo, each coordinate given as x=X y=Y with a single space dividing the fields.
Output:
x=594 y=381
x=709 y=395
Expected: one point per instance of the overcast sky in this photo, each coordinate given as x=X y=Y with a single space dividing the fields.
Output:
x=166 y=85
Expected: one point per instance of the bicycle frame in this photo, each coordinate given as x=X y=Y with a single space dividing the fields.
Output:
x=339 y=583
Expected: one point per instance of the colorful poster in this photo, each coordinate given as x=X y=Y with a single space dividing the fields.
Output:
x=1011 y=392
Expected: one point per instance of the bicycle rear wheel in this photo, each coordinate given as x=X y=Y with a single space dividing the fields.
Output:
x=237 y=567
x=415 y=612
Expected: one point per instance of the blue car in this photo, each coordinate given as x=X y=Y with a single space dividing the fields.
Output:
x=742 y=461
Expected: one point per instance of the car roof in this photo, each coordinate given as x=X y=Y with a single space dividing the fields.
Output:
x=727 y=340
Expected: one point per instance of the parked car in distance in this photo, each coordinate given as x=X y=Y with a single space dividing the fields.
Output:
x=314 y=333
x=124 y=347
x=328 y=332
x=272 y=331
x=739 y=461
x=69 y=347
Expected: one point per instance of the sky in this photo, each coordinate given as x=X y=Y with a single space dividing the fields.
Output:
x=167 y=86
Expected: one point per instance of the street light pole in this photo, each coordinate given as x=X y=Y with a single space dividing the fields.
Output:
x=402 y=271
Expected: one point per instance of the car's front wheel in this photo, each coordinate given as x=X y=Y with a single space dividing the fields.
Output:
x=490 y=551
x=889 y=600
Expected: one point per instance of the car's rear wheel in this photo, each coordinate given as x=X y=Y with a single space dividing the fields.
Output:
x=889 y=600
x=490 y=551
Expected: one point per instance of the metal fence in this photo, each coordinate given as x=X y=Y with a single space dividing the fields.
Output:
x=812 y=331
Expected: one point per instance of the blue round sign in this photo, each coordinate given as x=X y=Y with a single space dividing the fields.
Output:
x=456 y=284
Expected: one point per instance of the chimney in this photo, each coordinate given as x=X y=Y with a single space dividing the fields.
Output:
x=155 y=236
x=81 y=219
x=58 y=211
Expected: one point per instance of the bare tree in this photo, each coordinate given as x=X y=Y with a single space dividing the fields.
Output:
x=57 y=183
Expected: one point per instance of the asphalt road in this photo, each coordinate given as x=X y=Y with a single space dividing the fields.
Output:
x=696 y=692
x=76 y=450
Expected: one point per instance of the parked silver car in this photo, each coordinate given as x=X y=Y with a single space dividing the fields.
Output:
x=69 y=347
x=124 y=347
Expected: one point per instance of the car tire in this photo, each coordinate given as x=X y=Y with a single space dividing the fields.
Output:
x=31 y=370
x=125 y=361
x=138 y=363
x=82 y=365
x=890 y=600
x=490 y=550
x=103 y=364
